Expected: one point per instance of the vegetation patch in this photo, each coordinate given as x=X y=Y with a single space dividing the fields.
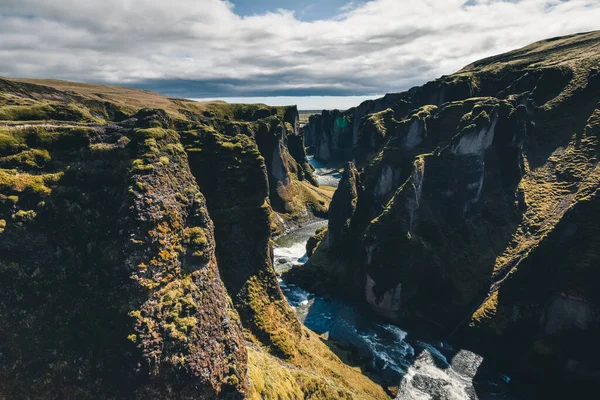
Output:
x=317 y=373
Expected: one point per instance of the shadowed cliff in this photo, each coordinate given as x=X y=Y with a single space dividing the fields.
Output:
x=473 y=208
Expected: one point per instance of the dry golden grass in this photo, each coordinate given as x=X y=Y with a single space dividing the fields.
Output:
x=547 y=198
x=317 y=373
x=567 y=50
x=307 y=195
x=127 y=99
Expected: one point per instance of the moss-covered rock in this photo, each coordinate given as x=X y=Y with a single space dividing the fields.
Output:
x=116 y=282
x=120 y=264
x=470 y=193
x=315 y=240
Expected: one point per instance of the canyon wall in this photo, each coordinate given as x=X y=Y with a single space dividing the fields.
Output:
x=136 y=250
x=472 y=210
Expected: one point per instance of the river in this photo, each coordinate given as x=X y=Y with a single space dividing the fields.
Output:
x=420 y=369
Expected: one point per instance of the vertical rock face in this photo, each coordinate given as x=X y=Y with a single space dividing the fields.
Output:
x=481 y=209
x=279 y=141
x=332 y=135
x=172 y=254
x=233 y=174
x=419 y=240
x=343 y=205
x=128 y=304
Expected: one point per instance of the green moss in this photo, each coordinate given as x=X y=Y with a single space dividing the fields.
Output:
x=26 y=113
x=102 y=147
x=315 y=240
x=153 y=133
x=197 y=236
x=24 y=216
x=175 y=148
x=172 y=315
x=10 y=142
x=242 y=112
x=139 y=166
x=26 y=159
x=12 y=181
x=60 y=139
x=231 y=145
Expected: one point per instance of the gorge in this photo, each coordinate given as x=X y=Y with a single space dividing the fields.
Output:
x=430 y=245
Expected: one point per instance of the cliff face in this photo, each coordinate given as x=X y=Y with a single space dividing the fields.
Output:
x=332 y=134
x=94 y=304
x=476 y=200
x=232 y=174
x=275 y=131
x=135 y=249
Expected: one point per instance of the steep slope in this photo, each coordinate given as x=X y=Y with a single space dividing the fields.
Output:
x=475 y=201
x=135 y=249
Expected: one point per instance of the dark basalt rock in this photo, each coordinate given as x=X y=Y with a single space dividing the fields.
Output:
x=233 y=175
x=343 y=206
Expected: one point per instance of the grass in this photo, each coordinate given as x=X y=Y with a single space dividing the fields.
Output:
x=34 y=158
x=317 y=373
x=98 y=103
x=306 y=196
x=274 y=321
x=35 y=112
x=126 y=99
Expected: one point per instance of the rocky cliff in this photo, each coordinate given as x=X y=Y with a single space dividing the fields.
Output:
x=473 y=210
x=331 y=135
x=135 y=249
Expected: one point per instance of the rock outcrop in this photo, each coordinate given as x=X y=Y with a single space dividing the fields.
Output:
x=332 y=135
x=476 y=209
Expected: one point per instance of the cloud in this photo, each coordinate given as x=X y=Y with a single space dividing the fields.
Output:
x=201 y=48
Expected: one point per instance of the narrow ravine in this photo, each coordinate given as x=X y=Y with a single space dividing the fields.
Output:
x=421 y=370
x=342 y=322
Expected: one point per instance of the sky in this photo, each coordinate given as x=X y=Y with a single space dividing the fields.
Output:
x=312 y=51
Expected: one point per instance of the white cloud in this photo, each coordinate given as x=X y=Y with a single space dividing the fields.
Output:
x=201 y=48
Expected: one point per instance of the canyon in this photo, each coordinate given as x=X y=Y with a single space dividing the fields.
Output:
x=153 y=247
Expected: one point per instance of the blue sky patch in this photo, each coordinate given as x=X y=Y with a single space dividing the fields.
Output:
x=305 y=10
